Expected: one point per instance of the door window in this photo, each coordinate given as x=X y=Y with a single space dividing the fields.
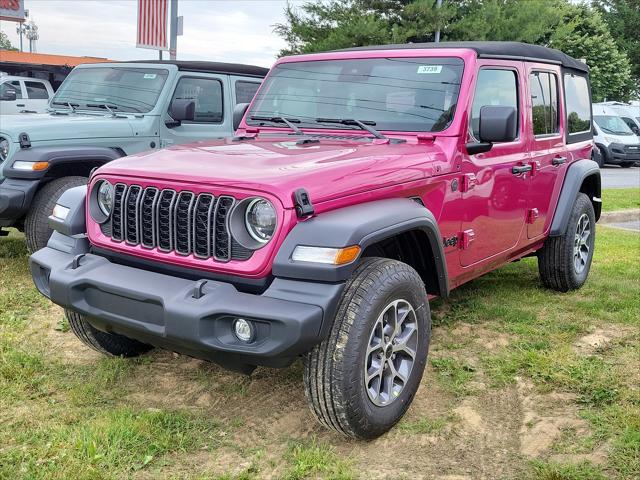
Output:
x=494 y=87
x=12 y=85
x=245 y=91
x=576 y=93
x=544 y=101
x=36 y=90
x=207 y=94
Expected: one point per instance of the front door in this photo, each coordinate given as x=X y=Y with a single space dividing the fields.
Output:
x=549 y=154
x=494 y=196
x=212 y=118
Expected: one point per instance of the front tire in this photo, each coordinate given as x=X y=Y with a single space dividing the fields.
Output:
x=564 y=261
x=627 y=164
x=36 y=225
x=362 y=378
x=110 y=344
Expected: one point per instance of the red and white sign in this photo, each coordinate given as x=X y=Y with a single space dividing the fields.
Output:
x=12 y=10
x=152 y=24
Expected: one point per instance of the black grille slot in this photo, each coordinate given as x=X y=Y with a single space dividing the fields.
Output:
x=147 y=218
x=131 y=210
x=222 y=239
x=116 y=216
x=164 y=220
x=202 y=227
x=180 y=222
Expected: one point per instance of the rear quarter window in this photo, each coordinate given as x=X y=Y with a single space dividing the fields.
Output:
x=576 y=91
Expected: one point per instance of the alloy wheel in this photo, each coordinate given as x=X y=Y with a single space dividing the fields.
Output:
x=391 y=352
x=581 y=247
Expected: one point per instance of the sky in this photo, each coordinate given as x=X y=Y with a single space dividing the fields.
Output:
x=238 y=31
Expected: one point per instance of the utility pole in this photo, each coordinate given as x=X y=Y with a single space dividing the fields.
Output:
x=438 y=5
x=173 y=30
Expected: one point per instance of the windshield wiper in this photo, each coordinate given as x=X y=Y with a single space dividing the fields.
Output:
x=289 y=122
x=363 y=124
x=72 y=106
x=105 y=106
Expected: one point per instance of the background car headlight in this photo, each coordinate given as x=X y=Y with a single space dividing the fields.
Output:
x=105 y=197
x=260 y=220
x=4 y=149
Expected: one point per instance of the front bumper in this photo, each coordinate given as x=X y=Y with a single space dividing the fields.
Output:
x=162 y=310
x=15 y=199
x=619 y=153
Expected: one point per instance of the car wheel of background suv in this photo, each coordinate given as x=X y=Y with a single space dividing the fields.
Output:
x=36 y=225
x=598 y=156
x=108 y=343
x=627 y=164
x=362 y=378
x=564 y=261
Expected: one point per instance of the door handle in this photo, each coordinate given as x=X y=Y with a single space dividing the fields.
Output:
x=518 y=169
x=20 y=104
x=558 y=161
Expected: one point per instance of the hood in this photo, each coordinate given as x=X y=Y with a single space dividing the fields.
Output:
x=328 y=169
x=45 y=126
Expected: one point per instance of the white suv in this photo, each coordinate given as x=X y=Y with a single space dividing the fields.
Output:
x=24 y=94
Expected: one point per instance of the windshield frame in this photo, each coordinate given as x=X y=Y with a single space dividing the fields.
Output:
x=62 y=106
x=309 y=123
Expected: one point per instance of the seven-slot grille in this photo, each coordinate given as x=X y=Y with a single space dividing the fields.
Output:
x=171 y=221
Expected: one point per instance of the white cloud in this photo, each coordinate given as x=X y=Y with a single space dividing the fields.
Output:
x=219 y=30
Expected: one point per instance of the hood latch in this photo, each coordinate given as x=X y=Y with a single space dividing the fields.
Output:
x=24 y=140
x=302 y=202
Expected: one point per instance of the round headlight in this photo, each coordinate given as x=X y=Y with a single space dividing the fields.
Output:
x=260 y=220
x=4 y=149
x=105 y=197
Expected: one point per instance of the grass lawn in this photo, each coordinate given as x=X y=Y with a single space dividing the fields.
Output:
x=522 y=383
x=620 y=199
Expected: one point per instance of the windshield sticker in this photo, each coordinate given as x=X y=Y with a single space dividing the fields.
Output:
x=149 y=76
x=430 y=69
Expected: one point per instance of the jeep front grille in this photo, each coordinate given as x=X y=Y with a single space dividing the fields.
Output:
x=171 y=221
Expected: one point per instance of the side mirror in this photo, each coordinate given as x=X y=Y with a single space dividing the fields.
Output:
x=181 y=110
x=496 y=124
x=8 y=96
x=238 y=112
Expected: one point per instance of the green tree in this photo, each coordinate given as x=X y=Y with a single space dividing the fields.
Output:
x=5 y=43
x=623 y=19
x=320 y=26
x=584 y=34
x=530 y=21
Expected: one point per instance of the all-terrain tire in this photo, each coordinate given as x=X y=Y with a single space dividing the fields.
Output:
x=36 y=225
x=107 y=343
x=556 y=259
x=334 y=369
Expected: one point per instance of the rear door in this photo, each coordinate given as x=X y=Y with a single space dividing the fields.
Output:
x=212 y=120
x=494 y=197
x=37 y=98
x=547 y=145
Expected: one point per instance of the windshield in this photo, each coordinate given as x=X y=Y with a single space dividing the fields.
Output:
x=394 y=94
x=612 y=125
x=121 y=89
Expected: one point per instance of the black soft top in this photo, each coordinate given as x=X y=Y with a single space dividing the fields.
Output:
x=499 y=50
x=211 y=67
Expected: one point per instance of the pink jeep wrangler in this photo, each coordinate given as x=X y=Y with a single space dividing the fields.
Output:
x=360 y=183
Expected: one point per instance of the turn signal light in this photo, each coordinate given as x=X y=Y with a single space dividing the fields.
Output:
x=327 y=255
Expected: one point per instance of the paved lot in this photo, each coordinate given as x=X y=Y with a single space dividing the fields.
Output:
x=617 y=177
x=633 y=225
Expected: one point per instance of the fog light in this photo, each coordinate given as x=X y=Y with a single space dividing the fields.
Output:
x=243 y=330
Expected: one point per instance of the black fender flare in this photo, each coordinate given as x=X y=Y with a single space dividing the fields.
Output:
x=577 y=173
x=58 y=155
x=363 y=225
